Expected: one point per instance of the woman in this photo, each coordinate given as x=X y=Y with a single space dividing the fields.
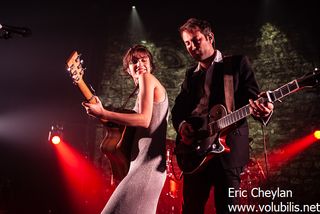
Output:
x=139 y=191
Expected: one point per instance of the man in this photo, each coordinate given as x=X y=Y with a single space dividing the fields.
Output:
x=205 y=86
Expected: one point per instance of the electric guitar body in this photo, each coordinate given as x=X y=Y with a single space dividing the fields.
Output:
x=191 y=158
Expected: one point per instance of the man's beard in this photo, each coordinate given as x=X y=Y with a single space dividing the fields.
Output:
x=197 y=55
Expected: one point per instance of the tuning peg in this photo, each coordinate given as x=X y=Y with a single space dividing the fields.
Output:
x=82 y=71
x=69 y=68
x=78 y=58
x=73 y=73
x=75 y=79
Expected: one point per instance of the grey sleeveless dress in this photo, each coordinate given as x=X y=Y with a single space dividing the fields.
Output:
x=139 y=191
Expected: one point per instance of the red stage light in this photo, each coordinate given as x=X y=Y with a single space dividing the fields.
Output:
x=285 y=153
x=56 y=139
x=86 y=184
x=316 y=134
x=56 y=134
x=173 y=188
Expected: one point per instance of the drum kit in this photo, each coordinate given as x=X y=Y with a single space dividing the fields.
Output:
x=252 y=176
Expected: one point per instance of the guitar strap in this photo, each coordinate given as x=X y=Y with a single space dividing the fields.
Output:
x=228 y=84
x=129 y=97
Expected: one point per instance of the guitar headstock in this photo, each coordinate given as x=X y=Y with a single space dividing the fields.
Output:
x=74 y=67
x=310 y=79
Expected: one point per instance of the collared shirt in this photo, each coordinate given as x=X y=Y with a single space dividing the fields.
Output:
x=202 y=107
x=217 y=58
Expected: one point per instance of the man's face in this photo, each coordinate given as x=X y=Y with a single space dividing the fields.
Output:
x=198 y=45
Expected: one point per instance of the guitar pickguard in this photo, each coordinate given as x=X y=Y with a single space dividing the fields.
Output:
x=206 y=144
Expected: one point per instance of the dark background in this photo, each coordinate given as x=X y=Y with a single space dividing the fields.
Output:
x=36 y=91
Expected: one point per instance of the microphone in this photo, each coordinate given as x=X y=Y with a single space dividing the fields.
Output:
x=21 y=31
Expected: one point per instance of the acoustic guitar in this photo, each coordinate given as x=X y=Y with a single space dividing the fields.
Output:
x=210 y=136
x=116 y=144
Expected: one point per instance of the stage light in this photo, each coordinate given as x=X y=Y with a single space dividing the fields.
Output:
x=55 y=134
x=173 y=189
x=85 y=183
x=55 y=139
x=135 y=28
x=284 y=154
x=316 y=134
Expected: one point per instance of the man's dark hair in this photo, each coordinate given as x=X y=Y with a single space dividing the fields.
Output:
x=193 y=24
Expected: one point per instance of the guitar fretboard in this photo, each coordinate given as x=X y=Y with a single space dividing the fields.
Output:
x=232 y=117
x=244 y=111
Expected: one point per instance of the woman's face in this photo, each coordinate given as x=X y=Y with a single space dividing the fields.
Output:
x=139 y=64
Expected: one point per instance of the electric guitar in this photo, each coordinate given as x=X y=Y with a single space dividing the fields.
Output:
x=116 y=144
x=210 y=135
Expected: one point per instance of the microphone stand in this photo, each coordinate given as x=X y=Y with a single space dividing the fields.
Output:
x=4 y=34
x=7 y=31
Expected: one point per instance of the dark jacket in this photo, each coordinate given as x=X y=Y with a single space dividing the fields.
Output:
x=245 y=88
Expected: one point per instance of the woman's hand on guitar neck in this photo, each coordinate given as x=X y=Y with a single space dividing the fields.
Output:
x=94 y=109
